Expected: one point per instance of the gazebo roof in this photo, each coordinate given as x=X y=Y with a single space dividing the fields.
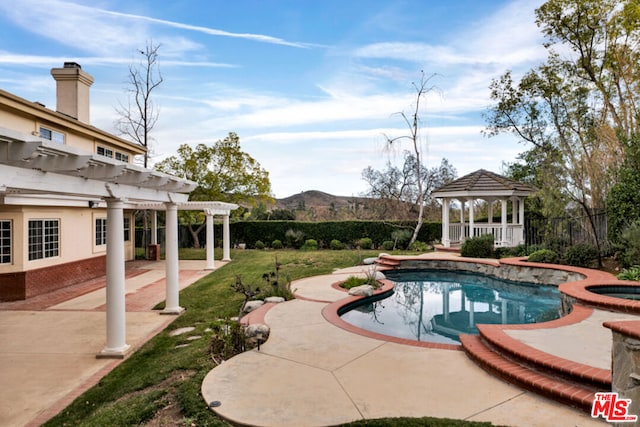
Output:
x=483 y=183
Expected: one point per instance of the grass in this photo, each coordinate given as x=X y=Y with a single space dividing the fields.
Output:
x=159 y=376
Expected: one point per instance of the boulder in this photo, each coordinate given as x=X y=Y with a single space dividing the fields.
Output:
x=252 y=305
x=276 y=300
x=257 y=334
x=363 y=290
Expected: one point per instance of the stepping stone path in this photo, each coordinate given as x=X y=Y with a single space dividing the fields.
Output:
x=181 y=331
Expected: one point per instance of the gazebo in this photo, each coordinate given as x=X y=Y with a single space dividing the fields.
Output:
x=490 y=187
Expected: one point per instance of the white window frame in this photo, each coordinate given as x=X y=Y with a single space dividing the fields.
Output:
x=100 y=231
x=46 y=244
x=126 y=223
x=6 y=240
x=52 y=135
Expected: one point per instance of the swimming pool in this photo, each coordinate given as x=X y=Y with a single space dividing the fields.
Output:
x=437 y=306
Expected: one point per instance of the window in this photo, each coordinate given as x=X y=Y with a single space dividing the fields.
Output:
x=127 y=228
x=44 y=238
x=104 y=152
x=51 y=135
x=5 y=242
x=122 y=157
x=101 y=231
x=108 y=152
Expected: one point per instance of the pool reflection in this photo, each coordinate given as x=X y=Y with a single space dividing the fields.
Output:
x=437 y=306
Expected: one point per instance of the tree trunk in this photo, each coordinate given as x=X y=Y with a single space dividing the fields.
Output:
x=194 y=234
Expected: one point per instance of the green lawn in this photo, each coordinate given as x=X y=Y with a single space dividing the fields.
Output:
x=164 y=382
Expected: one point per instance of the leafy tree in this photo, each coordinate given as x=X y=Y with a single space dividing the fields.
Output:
x=576 y=111
x=223 y=172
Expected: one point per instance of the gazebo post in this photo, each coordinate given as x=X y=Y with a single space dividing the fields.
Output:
x=463 y=232
x=446 y=242
x=471 y=224
x=503 y=218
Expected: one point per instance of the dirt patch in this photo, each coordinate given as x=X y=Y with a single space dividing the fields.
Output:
x=170 y=414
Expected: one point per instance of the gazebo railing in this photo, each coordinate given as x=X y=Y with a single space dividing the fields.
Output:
x=514 y=233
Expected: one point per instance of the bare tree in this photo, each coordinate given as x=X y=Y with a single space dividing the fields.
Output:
x=139 y=115
x=413 y=124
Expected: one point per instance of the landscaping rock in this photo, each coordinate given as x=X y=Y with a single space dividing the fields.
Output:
x=363 y=290
x=275 y=300
x=252 y=305
x=369 y=261
x=194 y=337
x=257 y=333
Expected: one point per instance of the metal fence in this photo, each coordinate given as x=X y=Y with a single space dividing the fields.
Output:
x=560 y=233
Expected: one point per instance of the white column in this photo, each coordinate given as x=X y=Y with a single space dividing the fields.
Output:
x=521 y=220
x=503 y=220
x=463 y=234
x=210 y=243
x=154 y=227
x=172 y=267
x=446 y=242
x=116 y=346
x=226 y=236
x=471 y=225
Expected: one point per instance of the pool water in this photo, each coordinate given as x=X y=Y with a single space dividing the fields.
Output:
x=437 y=306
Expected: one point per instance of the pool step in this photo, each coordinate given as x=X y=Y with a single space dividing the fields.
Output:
x=559 y=379
x=387 y=262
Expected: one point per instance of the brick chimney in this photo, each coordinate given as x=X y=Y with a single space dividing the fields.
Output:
x=72 y=91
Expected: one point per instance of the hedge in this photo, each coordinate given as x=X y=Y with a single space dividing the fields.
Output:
x=347 y=232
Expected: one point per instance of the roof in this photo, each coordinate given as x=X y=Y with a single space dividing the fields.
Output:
x=483 y=183
x=34 y=109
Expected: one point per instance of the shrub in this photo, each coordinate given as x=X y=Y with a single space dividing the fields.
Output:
x=581 y=255
x=546 y=256
x=629 y=246
x=259 y=245
x=632 y=273
x=419 y=246
x=365 y=243
x=336 y=245
x=388 y=245
x=478 y=247
x=294 y=238
x=353 y=281
x=276 y=244
x=310 y=245
x=401 y=237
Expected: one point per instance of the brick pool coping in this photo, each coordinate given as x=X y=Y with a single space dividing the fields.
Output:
x=584 y=302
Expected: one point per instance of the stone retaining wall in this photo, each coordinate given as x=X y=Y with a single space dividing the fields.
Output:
x=511 y=271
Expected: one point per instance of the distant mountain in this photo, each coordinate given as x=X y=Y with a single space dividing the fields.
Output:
x=319 y=206
x=318 y=200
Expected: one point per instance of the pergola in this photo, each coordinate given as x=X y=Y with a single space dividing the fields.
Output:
x=490 y=187
x=40 y=172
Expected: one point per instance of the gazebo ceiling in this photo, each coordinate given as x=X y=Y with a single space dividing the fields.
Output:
x=483 y=183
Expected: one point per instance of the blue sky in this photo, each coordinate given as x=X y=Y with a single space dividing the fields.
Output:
x=309 y=86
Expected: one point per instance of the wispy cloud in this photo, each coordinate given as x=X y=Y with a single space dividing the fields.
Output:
x=69 y=23
x=9 y=58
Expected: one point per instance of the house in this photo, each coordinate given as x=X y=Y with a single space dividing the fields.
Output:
x=68 y=191
x=49 y=241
